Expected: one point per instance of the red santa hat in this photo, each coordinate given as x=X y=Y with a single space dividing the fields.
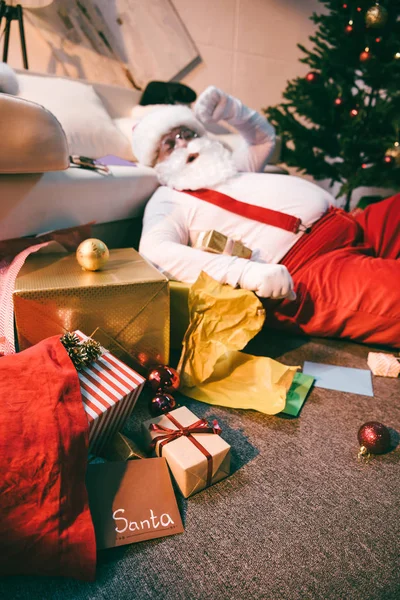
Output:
x=154 y=125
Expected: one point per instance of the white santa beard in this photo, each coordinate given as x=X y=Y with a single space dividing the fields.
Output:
x=213 y=166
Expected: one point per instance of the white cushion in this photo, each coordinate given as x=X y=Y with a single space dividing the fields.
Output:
x=89 y=128
x=8 y=80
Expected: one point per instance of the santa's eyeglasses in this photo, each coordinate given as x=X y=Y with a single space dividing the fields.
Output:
x=172 y=139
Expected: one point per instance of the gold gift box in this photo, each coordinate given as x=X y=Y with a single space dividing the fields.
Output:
x=187 y=463
x=128 y=300
x=121 y=448
x=217 y=243
x=179 y=297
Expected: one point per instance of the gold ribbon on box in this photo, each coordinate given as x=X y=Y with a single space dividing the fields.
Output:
x=222 y=321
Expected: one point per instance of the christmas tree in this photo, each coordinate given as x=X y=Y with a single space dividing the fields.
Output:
x=341 y=121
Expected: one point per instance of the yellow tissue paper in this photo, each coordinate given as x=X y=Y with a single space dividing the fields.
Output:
x=222 y=321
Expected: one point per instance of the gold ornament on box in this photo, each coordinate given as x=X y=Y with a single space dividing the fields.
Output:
x=376 y=16
x=92 y=254
x=394 y=153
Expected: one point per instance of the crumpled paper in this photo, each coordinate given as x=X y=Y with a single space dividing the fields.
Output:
x=222 y=321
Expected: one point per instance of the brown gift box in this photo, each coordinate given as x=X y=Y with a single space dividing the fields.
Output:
x=128 y=299
x=187 y=463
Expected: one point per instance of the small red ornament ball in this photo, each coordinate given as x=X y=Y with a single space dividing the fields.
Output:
x=375 y=437
x=161 y=403
x=313 y=77
x=163 y=378
x=364 y=56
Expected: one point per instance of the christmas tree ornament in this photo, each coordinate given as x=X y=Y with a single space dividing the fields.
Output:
x=376 y=16
x=344 y=6
x=374 y=438
x=92 y=254
x=353 y=112
x=163 y=378
x=338 y=101
x=365 y=55
x=388 y=160
x=378 y=40
x=394 y=153
x=349 y=27
x=161 y=403
x=397 y=55
x=313 y=77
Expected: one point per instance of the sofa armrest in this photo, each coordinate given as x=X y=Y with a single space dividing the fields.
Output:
x=31 y=138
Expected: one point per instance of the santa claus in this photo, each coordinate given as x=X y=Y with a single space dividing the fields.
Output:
x=320 y=270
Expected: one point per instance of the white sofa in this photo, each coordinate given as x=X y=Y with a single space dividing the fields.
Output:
x=39 y=191
x=52 y=194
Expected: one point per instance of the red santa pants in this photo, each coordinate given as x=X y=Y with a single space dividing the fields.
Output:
x=346 y=274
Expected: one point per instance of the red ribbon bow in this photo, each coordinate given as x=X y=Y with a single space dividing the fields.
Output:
x=169 y=435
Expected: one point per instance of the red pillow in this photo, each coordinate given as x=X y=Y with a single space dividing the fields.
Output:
x=45 y=522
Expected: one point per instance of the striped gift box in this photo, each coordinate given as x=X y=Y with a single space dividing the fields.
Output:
x=109 y=390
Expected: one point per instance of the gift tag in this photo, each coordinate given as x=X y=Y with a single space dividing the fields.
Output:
x=132 y=501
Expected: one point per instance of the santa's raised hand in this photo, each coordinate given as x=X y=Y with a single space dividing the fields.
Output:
x=214 y=105
x=258 y=144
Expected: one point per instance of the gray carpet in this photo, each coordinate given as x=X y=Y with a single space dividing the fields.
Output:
x=299 y=518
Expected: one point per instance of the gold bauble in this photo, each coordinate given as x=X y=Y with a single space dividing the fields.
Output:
x=394 y=152
x=92 y=254
x=376 y=16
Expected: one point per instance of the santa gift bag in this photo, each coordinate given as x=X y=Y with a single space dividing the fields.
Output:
x=45 y=523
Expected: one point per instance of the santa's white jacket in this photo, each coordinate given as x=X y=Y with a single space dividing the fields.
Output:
x=173 y=221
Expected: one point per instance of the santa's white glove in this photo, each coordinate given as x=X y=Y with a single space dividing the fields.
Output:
x=267 y=281
x=258 y=134
x=214 y=105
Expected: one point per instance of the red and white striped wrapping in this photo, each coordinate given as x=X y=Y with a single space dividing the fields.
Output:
x=109 y=391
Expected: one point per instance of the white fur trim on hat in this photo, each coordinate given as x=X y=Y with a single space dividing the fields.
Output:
x=150 y=129
x=8 y=80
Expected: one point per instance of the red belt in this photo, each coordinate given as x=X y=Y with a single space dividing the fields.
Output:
x=336 y=229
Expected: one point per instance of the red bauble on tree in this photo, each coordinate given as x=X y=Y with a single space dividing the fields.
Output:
x=163 y=378
x=374 y=438
x=349 y=27
x=313 y=77
x=388 y=160
x=365 y=55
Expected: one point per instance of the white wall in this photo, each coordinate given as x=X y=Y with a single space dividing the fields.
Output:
x=248 y=47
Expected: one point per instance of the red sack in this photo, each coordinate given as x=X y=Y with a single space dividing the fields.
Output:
x=45 y=522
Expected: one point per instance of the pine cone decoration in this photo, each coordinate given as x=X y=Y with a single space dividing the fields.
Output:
x=70 y=340
x=93 y=350
x=82 y=354
x=78 y=356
